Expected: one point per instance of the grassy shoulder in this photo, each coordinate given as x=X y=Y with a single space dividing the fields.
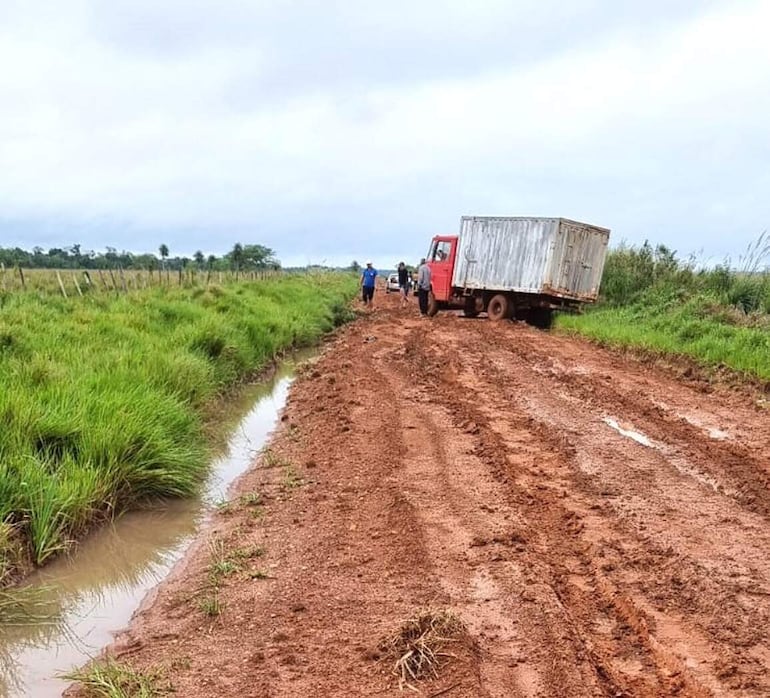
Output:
x=103 y=399
x=717 y=317
x=697 y=328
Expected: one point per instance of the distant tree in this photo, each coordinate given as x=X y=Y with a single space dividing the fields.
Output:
x=355 y=266
x=259 y=257
x=199 y=259
x=111 y=257
x=212 y=260
x=77 y=257
x=236 y=256
x=252 y=257
x=163 y=249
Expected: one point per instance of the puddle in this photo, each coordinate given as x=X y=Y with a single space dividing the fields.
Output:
x=93 y=593
x=629 y=433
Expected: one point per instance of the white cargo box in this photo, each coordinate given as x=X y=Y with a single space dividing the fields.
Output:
x=550 y=256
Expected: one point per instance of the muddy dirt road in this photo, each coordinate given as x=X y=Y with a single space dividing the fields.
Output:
x=600 y=526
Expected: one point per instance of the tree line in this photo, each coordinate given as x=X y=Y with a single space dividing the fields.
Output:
x=240 y=258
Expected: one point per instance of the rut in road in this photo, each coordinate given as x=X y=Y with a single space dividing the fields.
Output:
x=642 y=537
x=600 y=527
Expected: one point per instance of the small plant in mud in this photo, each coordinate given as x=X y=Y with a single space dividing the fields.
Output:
x=291 y=478
x=222 y=563
x=251 y=499
x=418 y=648
x=223 y=506
x=224 y=568
x=211 y=604
x=271 y=459
x=248 y=553
x=257 y=512
x=258 y=574
x=109 y=678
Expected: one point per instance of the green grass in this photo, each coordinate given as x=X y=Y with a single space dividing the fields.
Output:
x=211 y=605
x=104 y=399
x=719 y=317
x=109 y=678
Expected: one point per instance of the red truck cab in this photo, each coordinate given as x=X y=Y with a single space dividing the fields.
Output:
x=441 y=261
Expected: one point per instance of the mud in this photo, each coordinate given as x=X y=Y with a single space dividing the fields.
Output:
x=600 y=526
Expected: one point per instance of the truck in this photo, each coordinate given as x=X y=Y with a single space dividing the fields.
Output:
x=520 y=268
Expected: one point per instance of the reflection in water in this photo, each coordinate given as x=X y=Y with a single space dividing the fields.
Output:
x=89 y=595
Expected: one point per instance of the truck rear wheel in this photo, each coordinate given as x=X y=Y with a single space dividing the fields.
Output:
x=499 y=308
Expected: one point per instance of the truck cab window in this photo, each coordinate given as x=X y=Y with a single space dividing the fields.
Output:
x=441 y=251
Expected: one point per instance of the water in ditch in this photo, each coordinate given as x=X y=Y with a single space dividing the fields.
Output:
x=88 y=596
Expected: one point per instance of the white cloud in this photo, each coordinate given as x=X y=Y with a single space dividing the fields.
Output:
x=145 y=117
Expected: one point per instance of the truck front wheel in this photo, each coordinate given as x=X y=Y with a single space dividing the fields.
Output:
x=470 y=309
x=499 y=308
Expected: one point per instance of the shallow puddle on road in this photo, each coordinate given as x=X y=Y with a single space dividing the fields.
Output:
x=628 y=432
x=93 y=593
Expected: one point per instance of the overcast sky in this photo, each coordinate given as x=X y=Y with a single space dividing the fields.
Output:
x=334 y=130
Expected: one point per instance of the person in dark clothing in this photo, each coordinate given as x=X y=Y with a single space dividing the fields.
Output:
x=403 y=283
x=423 y=286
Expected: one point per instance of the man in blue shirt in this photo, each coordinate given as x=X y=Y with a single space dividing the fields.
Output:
x=368 y=277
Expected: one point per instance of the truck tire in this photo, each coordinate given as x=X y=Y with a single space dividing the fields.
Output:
x=499 y=308
x=432 y=305
x=470 y=309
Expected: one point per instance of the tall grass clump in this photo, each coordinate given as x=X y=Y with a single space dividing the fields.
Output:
x=103 y=399
x=719 y=316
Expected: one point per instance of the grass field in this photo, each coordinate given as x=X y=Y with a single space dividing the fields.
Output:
x=104 y=398
x=719 y=317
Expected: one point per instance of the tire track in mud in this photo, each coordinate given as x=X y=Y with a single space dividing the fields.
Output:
x=734 y=468
x=728 y=623
x=549 y=527
x=723 y=593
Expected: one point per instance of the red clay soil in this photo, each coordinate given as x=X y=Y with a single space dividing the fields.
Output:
x=599 y=526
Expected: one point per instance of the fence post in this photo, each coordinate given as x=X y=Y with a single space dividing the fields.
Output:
x=21 y=276
x=122 y=279
x=87 y=277
x=103 y=280
x=77 y=285
x=61 y=283
x=2 y=267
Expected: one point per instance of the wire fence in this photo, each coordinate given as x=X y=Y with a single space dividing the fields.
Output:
x=79 y=282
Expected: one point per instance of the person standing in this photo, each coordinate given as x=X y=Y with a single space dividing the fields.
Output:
x=403 y=283
x=368 y=279
x=423 y=286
